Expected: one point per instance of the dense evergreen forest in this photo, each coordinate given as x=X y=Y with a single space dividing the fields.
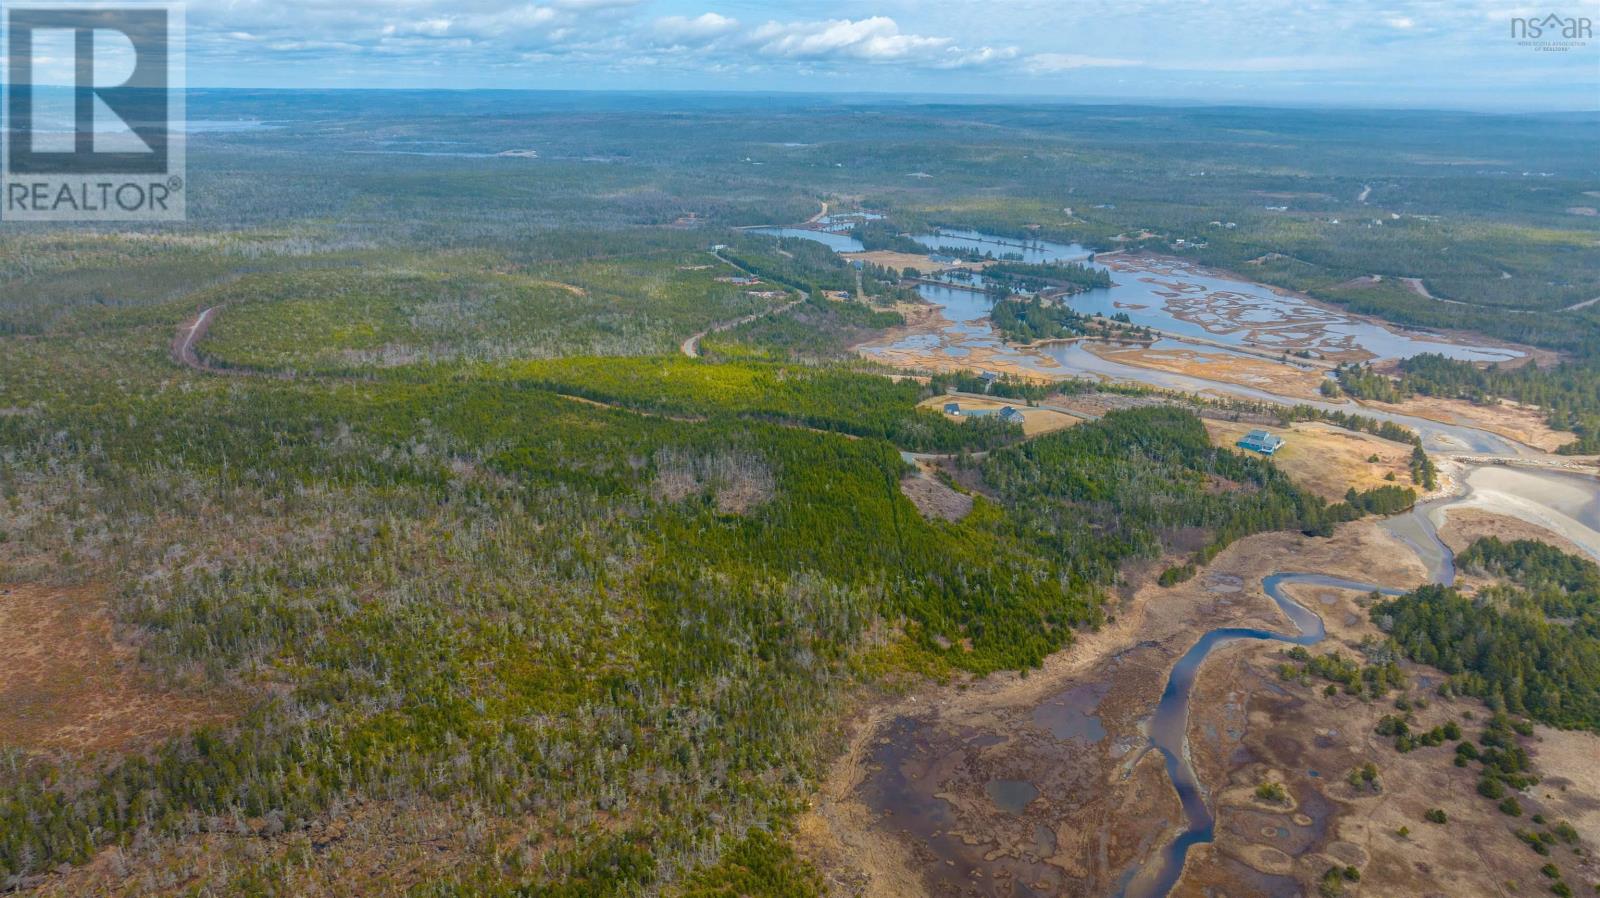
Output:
x=1529 y=645
x=1065 y=277
x=1128 y=486
x=1030 y=319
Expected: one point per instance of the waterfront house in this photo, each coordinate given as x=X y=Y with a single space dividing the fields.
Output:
x=1261 y=441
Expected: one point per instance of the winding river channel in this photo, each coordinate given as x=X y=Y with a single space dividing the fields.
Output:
x=1555 y=494
x=1169 y=727
x=1182 y=300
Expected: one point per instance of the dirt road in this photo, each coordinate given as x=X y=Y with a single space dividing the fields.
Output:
x=189 y=335
x=691 y=346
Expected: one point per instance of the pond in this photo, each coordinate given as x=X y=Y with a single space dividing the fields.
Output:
x=839 y=243
x=1031 y=250
x=1011 y=796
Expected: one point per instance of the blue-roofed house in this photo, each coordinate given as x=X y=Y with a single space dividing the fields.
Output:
x=1261 y=441
x=1011 y=415
x=952 y=408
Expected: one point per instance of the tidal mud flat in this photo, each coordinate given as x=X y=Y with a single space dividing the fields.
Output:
x=1048 y=784
x=1054 y=784
x=1185 y=299
x=1249 y=726
x=1179 y=300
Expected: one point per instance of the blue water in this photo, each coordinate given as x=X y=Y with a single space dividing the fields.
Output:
x=839 y=243
x=206 y=126
x=1170 y=726
x=1155 y=293
x=1032 y=251
x=1419 y=531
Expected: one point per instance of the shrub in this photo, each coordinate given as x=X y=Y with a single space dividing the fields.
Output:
x=1272 y=792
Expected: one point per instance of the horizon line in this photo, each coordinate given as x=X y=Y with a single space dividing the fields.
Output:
x=930 y=98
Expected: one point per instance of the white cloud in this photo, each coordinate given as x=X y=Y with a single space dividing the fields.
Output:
x=876 y=39
x=701 y=27
x=1047 y=63
x=916 y=44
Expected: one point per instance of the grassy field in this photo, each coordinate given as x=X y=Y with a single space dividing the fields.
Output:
x=1328 y=461
x=1035 y=420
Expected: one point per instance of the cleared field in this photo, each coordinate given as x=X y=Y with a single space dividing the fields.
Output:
x=1034 y=420
x=1464 y=526
x=1327 y=460
x=933 y=497
x=901 y=261
x=66 y=682
x=1274 y=377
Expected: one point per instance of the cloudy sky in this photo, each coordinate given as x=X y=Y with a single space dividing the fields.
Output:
x=1457 y=53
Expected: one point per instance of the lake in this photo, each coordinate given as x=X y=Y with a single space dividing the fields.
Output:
x=1032 y=251
x=839 y=243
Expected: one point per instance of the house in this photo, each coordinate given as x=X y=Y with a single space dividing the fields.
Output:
x=1261 y=441
x=1008 y=414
